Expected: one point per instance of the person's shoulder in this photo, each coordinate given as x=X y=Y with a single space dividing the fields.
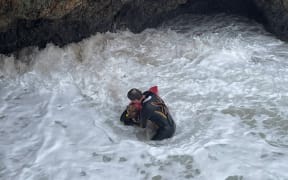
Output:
x=148 y=97
x=147 y=104
x=147 y=93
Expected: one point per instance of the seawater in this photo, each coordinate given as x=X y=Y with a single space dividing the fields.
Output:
x=224 y=78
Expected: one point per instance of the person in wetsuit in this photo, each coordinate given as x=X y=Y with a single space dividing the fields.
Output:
x=152 y=109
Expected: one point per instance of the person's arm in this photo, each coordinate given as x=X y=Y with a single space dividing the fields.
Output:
x=144 y=117
x=155 y=116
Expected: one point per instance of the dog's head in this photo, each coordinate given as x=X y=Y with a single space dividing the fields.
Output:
x=132 y=111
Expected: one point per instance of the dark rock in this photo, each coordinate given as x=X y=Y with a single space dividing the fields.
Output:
x=35 y=23
x=276 y=14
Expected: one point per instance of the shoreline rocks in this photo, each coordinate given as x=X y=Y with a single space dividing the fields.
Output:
x=26 y=23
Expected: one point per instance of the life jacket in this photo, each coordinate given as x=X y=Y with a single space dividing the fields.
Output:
x=154 y=89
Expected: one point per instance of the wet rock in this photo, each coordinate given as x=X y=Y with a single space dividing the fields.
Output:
x=122 y=159
x=275 y=12
x=35 y=23
x=158 y=177
x=106 y=158
x=234 y=178
x=83 y=173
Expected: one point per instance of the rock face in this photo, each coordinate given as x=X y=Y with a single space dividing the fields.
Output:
x=275 y=12
x=37 y=22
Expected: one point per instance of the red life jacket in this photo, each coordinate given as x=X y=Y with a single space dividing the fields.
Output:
x=154 y=89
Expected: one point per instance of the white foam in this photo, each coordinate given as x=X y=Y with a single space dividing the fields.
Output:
x=224 y=82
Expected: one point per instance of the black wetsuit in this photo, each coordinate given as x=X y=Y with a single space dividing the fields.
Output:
x=155 y=110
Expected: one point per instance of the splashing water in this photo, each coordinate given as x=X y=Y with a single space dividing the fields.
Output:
x=223 y=77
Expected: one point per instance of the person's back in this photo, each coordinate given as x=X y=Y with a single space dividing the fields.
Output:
x=155 y=110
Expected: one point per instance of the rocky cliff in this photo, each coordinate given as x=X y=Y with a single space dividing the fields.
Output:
x=275 y=13
x=37 y=22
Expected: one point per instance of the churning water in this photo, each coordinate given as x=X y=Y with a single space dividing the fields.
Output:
x=224 y=78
